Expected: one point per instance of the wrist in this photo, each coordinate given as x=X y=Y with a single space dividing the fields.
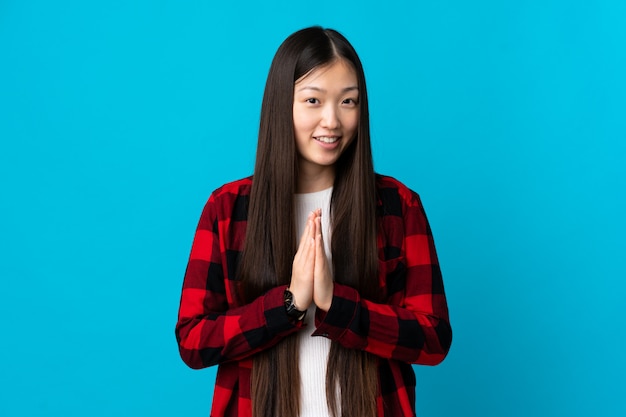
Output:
x=290 y=307
x=324 y=307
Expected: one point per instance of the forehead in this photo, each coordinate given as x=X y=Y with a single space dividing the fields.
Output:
x=338 y=71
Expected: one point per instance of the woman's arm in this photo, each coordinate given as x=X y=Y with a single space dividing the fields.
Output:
x=210 y=330
x=413 y=325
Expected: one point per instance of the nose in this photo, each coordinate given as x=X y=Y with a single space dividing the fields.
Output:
x=330 y=118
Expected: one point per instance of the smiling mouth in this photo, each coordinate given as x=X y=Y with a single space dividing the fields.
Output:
x=327 y=139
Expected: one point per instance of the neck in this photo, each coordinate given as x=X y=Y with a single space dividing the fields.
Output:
x=318 y=180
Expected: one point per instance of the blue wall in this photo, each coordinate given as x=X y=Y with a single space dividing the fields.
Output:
x=118 y=118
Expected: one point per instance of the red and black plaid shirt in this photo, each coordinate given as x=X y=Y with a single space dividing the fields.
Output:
x=411 y=327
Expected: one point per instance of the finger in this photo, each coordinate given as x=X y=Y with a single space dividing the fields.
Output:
x=318 y=226
x=320 y=251
x=318 y=221
x=307 y=229
x=316 y=213
x=323 y=283
x=312 y=230
x=305 y=234
x=320 y=255
x=309 y=255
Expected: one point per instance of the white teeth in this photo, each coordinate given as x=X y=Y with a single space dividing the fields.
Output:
x=327 y=139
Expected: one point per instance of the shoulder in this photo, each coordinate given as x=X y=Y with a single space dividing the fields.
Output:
x=239 y=187
x=400 y=209
x=230 y=201
x=394 y=196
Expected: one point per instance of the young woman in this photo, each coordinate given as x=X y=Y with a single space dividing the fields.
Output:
x=314 y=284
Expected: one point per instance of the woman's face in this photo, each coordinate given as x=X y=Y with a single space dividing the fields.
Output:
x=325 y=116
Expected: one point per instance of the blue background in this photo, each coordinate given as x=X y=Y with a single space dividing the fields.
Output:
x=118 y=118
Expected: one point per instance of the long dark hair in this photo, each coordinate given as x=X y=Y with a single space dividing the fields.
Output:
x=270 y=242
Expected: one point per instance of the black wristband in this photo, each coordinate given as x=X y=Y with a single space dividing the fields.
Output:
x=290 y=307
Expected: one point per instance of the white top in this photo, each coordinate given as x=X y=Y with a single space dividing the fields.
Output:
x=313 y=351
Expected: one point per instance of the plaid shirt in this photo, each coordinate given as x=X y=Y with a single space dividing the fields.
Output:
x=411 y=327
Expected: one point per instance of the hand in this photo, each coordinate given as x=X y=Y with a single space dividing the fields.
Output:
x=322 y=277
x=302 y=273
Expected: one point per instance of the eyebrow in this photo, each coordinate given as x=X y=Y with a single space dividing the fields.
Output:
x=321 y=90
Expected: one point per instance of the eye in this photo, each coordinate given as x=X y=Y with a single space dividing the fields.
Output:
x=312 y=101
x=350 y=101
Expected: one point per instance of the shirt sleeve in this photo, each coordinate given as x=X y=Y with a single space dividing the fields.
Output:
x=412 y=325
x=211 y=328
